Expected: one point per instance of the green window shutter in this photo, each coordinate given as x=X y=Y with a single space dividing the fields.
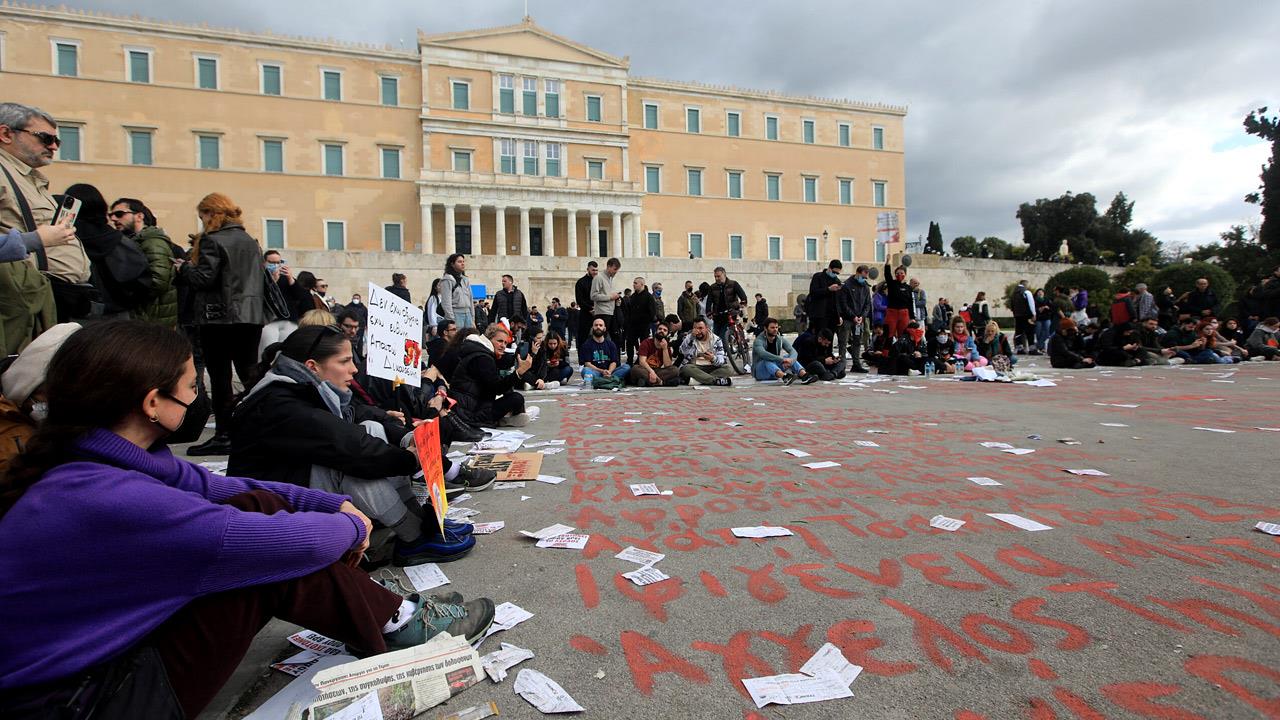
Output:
x=846 y=250
x=655 y=244
x=735 y=185
x=846 y=192
x=879 y=196
x=529 y=102
x=735 y=247
x=390 y=91
x=139 y=67
x=210 y=152
x=877 y=138
x=507 y=100
x=271 y=80
x=139 y=147
x=593 y=109
x=332 y=85
x=652 y=179
x=692 y=120
x=530 y=165
x=392 y=237
x=695 y=244
x=595 y=170
x=272 y=156
x=734 y=125
x=332 y=159
x=651 y=117
x=275 y=234
x=335 y=236
x=391 y=163
x=509 y=164
x=208 y=70
x=695 y=182
x=67 y=57
x=810 y=190
x=553 y=168
x=771 y=184
x=552 y=103
x=461 y=96
x=811 y=249
x=844 y=136
x=775 y=248
x=808 y=131
x=771 y=128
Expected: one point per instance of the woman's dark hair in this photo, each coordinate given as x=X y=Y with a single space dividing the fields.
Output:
x=448 y=264
x=95 y=380
x=306 y=280
x=318 y=342
x=435 y=288
x=461 y=335
x=550 y=335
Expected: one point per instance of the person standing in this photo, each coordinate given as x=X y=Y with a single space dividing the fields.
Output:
x=899 y=301
x=824 y=289
x=1023 y=305
x=1200 y=301
x=919 y=303
x=642 y=313
x=137 y=223
x=1046 y=315
x=557 y=318
x=605 y=299
x=727 y=297
x=225 y=276
x=509 y=303
x=854 y=307
x=535 y=321
x=942 y=314
x=574 y=318
x=979 y=311
x=761 y=313
x=400 y=287
x=582 y=296
x=455 y=292
x=687 y=307
x=658 y=303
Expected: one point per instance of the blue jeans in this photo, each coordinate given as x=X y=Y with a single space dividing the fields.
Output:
x=765 y=370
x=465 y=319
x=1044 y=330
x=562 y=373
x=1209 y=357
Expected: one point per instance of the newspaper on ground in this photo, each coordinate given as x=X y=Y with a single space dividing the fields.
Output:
x=425 y=577
x=568 y=541
x=822 y=465
x=1018 y=451
x=761 y=531
x=289 y=703
x=602 y=459
x=1087 y=471
x=406 y=682
x=506 y=616
x=796 y=453
x=942 y=522
x=640 y=557
x=794 y=688
x=497 y=663
x=1268 y=528
x=1019 y=522
x=545 y=443
x=366 y=708
x=982 y=481
x=458 y=513
x=551 y=450
x=298 y=664
x=314 y=641
x=830 y=659
x=646 y=575
x=517 y=485
x=543 y=693
x=548 y=531
x=996 y=445
x=488 y=528
x=550 y=479
x=496 y=447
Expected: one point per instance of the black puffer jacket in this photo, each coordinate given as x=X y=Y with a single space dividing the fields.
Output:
x=226 y=278
x=476 y=382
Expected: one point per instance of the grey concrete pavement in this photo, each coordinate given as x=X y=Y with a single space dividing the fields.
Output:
x=1150 y=597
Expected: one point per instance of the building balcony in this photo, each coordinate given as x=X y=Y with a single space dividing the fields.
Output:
x=532 y=182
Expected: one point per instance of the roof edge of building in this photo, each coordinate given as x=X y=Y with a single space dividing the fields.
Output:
x=734 y=91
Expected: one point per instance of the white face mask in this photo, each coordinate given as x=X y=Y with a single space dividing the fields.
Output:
x=39 y=411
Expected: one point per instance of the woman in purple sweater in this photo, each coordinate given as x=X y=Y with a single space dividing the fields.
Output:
x=131 y=581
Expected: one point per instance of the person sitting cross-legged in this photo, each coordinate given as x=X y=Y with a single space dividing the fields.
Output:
x=655 y=361
x=704 y=357
x=773 y=357
x=552 y=360
x=599 y=355
x=486 y=395
x=908 y=353
x=1264 y=341
x=1064 y=347
x=813 y=353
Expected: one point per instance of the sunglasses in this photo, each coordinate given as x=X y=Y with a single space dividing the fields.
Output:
x=117 y=214
x=48 y=139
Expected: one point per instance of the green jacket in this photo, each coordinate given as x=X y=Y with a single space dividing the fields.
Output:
x=163 y=308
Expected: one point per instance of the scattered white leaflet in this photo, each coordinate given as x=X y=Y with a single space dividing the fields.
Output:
x=425 y=577
x=942 y=522
x=487 y=528
x=982 y=481
x=640 y=557
x=761 y=531
x=497 y=663
x=543 y=693
x=821 y=465
x=646 y=576
x=548 y=531
x=796 y=453
x=1019 y=522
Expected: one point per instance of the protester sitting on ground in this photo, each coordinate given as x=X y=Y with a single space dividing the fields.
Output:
x=298 y=425
x=942 y=313
x=994 y=345
x=553 y=361
x=1183 y=339
x=704 y=358
x=1120 y=346
x=655 y=361
x=1089 y=334
x=1065 y=350
x=24 y=403
x=531 y=378
x=878 y=352
x=1230 y=332
x=773 y=357
x=196 y=563
x=444 y=332
x=1226 y=346
x=486 y=397
x=1213 y=350
x=1149 y=342
x=1264 y=341
x=942 y=351
x=909 y=352
x=449 y=358
x=598 y=355
x=965 y=347
x=317 y=318
x=814 y=354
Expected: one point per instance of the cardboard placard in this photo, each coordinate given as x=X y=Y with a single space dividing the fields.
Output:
x=515 y=466
x=426 y=438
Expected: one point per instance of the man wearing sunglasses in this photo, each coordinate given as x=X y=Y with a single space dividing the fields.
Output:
x=28 y=138
x=131 y=217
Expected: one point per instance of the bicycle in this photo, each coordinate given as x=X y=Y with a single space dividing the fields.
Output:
x=736 y=345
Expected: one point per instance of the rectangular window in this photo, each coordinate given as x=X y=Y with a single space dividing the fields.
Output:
x=506 y=94
x=530 y=157
x=335 y=235
x=139 y=66
x=877 y=138
x=273 y=156
x=846 y=192
x=67 y=59
x=844 y=133
x=272 y=80
x=770 y=127
x=461 y=95
x=775 y=247
x=733 y=124
x=695 y=244
x=735 y=247
x=210 y=150
x=529 y=96
x=551 y=98
x=846 y=249
x=650 y=116
x=811 y=189
x=507 y=155
x=392 y=237
x=735 y=184
x=692 y=120
x=811 y=249
x=390 y=163
x=772 y=186
x=273 y=230
x=652 y=179
x=462 y=161
x=593 y=109
x=808 y=130
x=333 y=159
x=654 y=241
x=879 y=252
x=553 y=159
x=389 y=90
x=140 y=147
x=207 y=73
x=595 y=169
x=878 y=192
x=331 y=80
x=695 y=181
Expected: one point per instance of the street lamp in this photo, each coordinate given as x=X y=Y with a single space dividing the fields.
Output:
x=824 y=241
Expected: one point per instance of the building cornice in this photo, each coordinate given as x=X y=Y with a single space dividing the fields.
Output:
x=729 y=91
x=525 y=25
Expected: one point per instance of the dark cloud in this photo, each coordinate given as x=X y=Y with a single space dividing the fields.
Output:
x=1009 y=101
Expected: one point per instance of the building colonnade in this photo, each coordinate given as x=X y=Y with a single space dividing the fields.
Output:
x=537 y=229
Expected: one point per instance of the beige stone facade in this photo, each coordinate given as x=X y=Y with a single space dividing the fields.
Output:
x=508 y=141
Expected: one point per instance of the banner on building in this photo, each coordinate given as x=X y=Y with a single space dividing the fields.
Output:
x=393 y=338
x=887 y=228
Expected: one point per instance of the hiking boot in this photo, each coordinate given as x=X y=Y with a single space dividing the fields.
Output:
x=433 y=547
x=469 y=620
x=396 y=586
x=216 y=445
x=722 y=382
x=809 y=379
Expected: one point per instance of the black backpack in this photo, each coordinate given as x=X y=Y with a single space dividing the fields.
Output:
x=124 y=271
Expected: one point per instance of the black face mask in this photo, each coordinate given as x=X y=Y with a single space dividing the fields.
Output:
x=193 y=422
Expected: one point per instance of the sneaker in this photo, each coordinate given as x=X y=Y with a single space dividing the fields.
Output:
x=461 y=529
x=433 y=547
x=476 y=479
x=1177 y=360
x=431 y=617
x=809 y=379
x=533 y=412
x=912 y=372
x=216 y=445
x=788 y=378
x=518 y=420
x=722 y=382
x=552 y=385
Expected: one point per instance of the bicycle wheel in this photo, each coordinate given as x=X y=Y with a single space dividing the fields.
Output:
x=736 y=352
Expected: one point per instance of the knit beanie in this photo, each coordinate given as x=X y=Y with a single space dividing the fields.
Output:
x=27 y=373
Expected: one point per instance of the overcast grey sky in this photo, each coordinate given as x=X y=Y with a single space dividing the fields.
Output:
x=1008 y=101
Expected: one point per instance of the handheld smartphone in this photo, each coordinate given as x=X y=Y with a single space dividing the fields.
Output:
x=68 y=210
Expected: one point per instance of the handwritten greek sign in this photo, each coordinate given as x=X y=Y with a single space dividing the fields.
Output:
x=393 y=338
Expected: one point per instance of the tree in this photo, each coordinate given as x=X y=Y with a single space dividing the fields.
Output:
x=1182 y=277
x=933 y=245
x=995 y=248
x=1097 y=282
x=965 y=246
x=1240 y=255
x=1141 y=271
x=1048 y=222
x=1268 y=195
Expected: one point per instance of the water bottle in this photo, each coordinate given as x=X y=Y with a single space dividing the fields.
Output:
x=928 y=368
x=587 y=377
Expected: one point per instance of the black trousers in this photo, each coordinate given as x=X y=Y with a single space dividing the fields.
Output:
x=225 y=346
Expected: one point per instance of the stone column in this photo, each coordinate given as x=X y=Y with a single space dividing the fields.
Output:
x=450 y=241
x=615 y=235
x=573 y=233
x=524 y=232
x=640 y=244
x=500 y=234
x=548 y=232
x=476 y=248
x=628 y=244
x=593 y=240
x=428 y=244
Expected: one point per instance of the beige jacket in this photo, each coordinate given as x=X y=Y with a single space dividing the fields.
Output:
x=66 y=262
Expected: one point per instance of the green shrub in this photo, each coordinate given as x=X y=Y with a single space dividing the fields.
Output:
x=1097 y=282
x=1182 y=277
